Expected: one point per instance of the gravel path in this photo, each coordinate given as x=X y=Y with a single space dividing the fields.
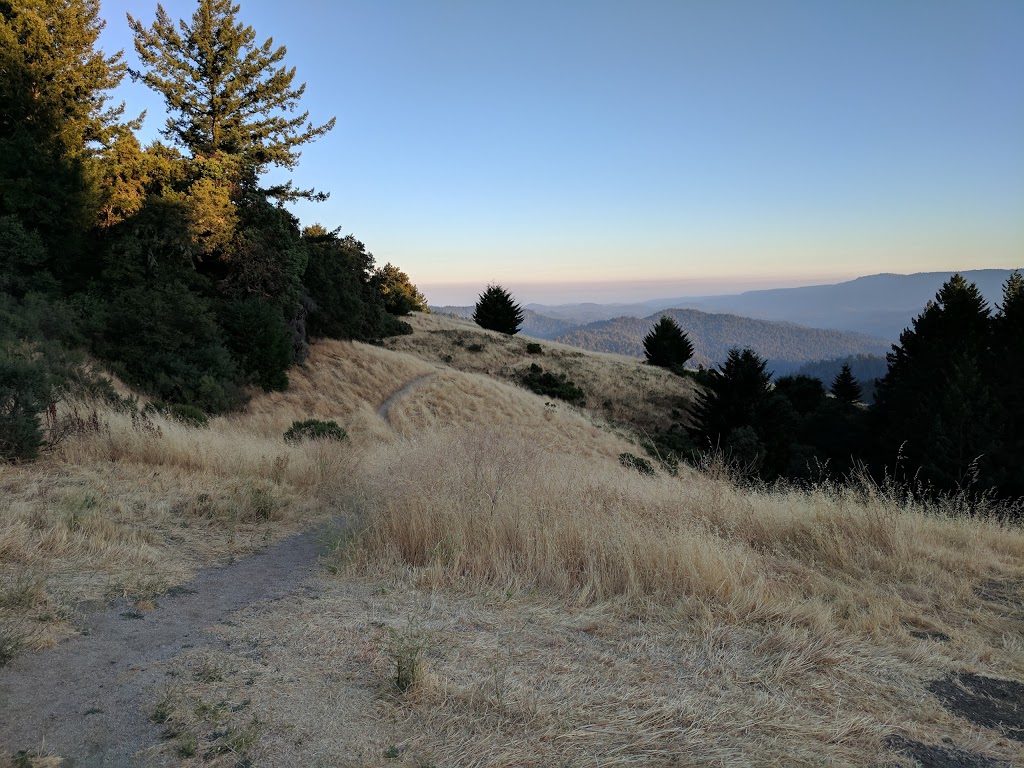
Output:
x=88 y=699
x=385 y=408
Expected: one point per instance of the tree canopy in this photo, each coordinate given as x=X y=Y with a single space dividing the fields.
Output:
x=845 y=387
x=934 y=407
x=170 y=266
x=667 y=345
x=224 y=92
x=496 y=310
x=400 y=296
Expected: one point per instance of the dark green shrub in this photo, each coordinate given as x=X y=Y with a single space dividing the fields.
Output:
x=166 y=341
x=641 y=465
x=534 y=349
x=23 y=385
x=399 y=295
x=189 y=415
x=475 y=348
x=257 y=336
x=314 y=429
x=536 y=379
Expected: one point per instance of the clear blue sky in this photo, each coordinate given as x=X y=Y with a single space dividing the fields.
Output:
x=650 y=148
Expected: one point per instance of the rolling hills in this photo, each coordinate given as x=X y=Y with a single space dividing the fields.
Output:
x=879 y=305
x=787 y=346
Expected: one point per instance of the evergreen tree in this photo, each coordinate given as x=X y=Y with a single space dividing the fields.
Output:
x=805 y=393
x=497 y=311
x=396 y=289
x=933 y=406
x=54 y=122
x=225 y=94
x=845 y=386
x=667 y=345
x=1007 y=377
x=341 y=301
x=734 y=410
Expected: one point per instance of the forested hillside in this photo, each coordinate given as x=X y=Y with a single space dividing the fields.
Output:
x=785 y=345
x=174 y=264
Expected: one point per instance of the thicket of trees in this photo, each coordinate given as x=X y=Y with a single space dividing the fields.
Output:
x=171 y=263
x=948 y=413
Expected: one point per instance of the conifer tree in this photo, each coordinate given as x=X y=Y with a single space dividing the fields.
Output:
x=55 y=120
x=1007 y=377
x=667 y=345
x=225 y=93
x=497 y=311
x=934 y=406
x=732 y=397
x=845 y=387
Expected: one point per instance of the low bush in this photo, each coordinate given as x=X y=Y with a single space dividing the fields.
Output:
x=534 y=349
x=641 y=465
x=314 y=429
x=536 y=379
x=189 y=415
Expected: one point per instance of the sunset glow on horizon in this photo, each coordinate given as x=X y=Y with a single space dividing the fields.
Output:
x=595 y=143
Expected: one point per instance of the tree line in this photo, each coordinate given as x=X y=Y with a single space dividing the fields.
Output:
x=170 y=263
x=947 y=416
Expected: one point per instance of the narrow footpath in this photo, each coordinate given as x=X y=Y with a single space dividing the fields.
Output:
x=88 y=699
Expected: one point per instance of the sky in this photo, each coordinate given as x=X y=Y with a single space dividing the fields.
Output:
x=585 y=150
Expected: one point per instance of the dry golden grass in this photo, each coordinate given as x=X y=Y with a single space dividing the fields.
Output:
x=619 y=389
x=568 y=611
x=130 y=510
x=138 y=505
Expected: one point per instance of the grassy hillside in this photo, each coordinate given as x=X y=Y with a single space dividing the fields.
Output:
x=784 y=345
x=535 y=325
x=548 y=606
x=618 y=389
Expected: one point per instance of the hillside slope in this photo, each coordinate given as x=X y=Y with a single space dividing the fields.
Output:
x=503 y=591
x=618 y=389
x=785 y=345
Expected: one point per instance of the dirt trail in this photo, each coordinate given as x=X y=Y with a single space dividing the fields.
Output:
x=385 y=408
x=88 y=699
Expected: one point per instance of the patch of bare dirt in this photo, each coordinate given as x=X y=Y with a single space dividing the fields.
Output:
x=938 y=756
x=985 y=701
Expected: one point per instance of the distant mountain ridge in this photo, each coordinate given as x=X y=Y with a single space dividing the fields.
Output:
x=786 y=346
x=879 y=306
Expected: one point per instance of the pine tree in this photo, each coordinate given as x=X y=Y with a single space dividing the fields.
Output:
x=934 y=406
x=55 y=121
x=224 y=93
x=731 y=399
x=845 y=387
x=497 y=311
x=1007 y=377
x=667 y=345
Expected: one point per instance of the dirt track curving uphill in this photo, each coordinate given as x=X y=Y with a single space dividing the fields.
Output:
x=385 y=408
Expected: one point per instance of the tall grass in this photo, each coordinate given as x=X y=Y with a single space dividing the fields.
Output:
x=483 y=508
